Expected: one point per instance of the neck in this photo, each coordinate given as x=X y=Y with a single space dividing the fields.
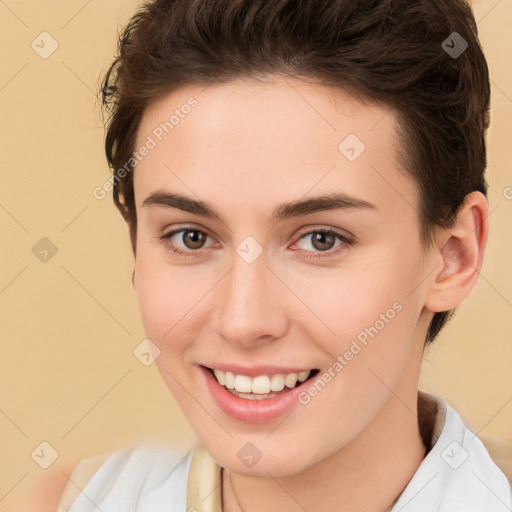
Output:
x=368 y=474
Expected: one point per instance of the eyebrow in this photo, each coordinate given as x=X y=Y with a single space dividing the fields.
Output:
x=298 y=208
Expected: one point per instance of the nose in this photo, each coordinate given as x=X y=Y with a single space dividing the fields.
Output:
x=250 y=309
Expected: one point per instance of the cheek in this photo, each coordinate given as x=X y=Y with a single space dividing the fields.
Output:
x=347 y=300
x=154 y=295
x=174 y=303
x=163 y=296
x=166 y=296
x=366 y=314
x=371 y=323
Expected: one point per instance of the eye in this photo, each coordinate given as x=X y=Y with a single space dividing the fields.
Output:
x=193 y=240
x=323 y=241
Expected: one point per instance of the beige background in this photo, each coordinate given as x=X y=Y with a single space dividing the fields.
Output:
x=69 y=325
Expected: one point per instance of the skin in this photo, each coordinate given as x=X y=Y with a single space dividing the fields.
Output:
x=45 y=494
x=248 y=146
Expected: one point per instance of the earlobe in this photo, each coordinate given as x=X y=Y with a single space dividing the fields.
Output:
x=461 y=250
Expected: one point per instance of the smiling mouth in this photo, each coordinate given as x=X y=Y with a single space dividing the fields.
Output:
x=262 y=386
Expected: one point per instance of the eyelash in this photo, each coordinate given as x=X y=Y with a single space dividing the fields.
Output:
x=315 y=254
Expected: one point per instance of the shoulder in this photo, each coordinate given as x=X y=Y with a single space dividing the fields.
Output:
x=457 y=473
x=474 y=476
x=46 y=493
x=145 y=475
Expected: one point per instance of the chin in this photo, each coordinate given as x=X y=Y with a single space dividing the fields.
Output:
x=281 y=462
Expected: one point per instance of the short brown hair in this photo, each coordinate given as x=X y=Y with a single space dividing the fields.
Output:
x=388 y=51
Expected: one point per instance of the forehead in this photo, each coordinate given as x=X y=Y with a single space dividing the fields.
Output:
x=257 y=142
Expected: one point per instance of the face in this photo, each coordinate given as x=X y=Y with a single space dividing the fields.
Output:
x=277 y=234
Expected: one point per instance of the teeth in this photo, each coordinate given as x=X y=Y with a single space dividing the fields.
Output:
x=220 y=376
x=229 y=378
x=290 y=380
x=262 y=384
x=243 y=384
x=277 y=382
x=302 y=376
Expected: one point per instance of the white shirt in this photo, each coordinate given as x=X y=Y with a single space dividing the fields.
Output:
x=457 y=475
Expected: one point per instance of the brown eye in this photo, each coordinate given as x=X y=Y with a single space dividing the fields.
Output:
x=187 y=242
x=323 y=241
x=193 y=238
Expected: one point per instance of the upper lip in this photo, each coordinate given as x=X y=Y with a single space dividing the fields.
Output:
x=255 y=370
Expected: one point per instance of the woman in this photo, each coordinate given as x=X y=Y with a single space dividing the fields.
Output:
x=304 y=187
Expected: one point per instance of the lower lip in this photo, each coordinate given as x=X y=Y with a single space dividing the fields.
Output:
x=252 y=411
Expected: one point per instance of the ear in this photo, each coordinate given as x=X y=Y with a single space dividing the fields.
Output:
x=460 y=250
x=133 y=280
